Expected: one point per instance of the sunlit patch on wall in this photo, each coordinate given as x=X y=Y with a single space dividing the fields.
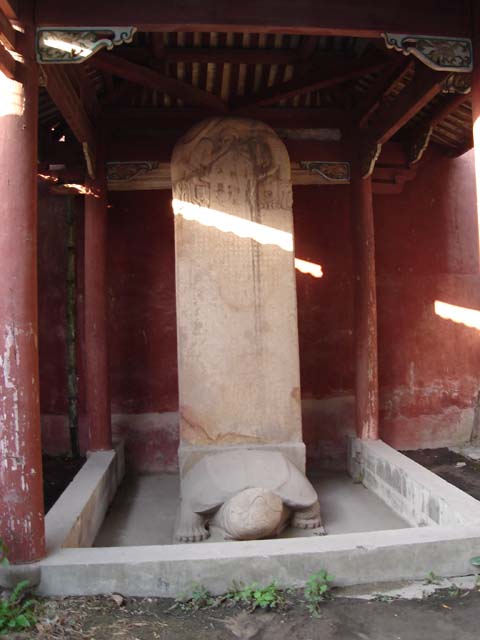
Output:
x=461 y=315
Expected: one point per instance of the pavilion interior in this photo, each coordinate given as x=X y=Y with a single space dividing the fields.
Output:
x=322 y=95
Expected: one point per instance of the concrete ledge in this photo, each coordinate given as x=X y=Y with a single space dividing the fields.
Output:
x=76 y=517
x=169 y=571
x=416 y=494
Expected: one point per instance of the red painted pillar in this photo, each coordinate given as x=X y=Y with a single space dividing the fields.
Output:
x=96 y=313
x=366 y=361
x=21 y=487
x=476 y=101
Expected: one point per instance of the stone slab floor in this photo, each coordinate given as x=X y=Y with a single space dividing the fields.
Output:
x=143 y=511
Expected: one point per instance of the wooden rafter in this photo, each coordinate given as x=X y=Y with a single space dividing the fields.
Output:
x=426 y=84
x=400 y=66
x=7 y=32
x=319 y=78
x=146 y=77
x=8 y=8
x=63 y=94
x=7 y=63
x=312 y=17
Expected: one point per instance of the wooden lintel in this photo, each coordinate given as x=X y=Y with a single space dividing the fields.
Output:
x=145 y=119
x=315 y=79
x=7 y=63
x=425 y=85
x=7 y=32
x=152 y=79
x=310 y=17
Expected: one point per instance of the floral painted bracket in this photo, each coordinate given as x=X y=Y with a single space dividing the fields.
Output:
x=440 y=54
x=75 y=45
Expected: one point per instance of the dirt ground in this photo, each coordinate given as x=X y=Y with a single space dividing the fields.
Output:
x=58 y=472
x=452 y=467
x=442 y=616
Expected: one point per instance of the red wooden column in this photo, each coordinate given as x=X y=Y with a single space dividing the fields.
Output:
x=96 y=313
x=476 y=100
x=21 y=487
x=366 y=357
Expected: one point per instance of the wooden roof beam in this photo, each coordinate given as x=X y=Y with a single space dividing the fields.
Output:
x=7 y=33
x=63 y=94
x=336 y=73
x=400 y=66
x=426 y=84
x=146 y=77
x=7 y=63
x=9 y=9
x=306 y=17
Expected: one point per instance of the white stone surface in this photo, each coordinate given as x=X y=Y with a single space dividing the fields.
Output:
x=412 y=491
x=357 y=558
x=143 y=511
x=77 y=515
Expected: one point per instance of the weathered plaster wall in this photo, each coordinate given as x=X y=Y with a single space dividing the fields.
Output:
x=52 y=277
x=426 y=244
x=427 y=250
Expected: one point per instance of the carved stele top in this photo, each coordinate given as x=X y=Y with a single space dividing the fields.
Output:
x=225 y=163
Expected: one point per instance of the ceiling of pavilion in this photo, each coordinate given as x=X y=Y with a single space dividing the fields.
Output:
x=359 y=79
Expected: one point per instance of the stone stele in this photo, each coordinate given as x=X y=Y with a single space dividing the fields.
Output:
x=247 y=494
x=238 y=363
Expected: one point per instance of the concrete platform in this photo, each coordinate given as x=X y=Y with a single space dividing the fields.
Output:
x=143 y=511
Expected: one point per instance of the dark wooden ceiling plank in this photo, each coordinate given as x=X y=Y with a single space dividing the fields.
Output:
x=425 y=85
x=319 y=78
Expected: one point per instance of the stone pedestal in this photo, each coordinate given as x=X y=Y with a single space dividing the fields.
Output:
x=238 y=362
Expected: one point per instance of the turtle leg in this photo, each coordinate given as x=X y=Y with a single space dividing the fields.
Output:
x=190 y=526
x=308 y=518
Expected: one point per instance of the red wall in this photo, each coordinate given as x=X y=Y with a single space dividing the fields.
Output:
x=427 y=250
x=426 y=246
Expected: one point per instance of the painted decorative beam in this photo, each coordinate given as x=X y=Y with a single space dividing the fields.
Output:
x=63 y=94
x=321 y=77
x=330 y=172
x=77 y=45
x=147 y=175
x=440 y=54
x=155 y=80
x=371 y=18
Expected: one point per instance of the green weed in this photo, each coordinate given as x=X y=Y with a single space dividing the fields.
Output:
x=16 y=613
x=255 y=596
x=317 y=590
